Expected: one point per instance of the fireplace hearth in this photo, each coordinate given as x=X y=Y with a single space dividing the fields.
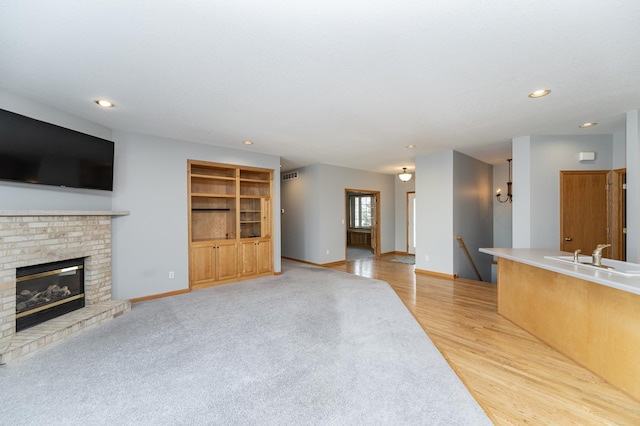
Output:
x=47 y=291
x=29 y=237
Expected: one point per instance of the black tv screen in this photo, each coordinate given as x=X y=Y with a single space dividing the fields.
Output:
x=37 y=152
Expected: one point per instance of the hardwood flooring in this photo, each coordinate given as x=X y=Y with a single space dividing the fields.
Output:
x=516 y=378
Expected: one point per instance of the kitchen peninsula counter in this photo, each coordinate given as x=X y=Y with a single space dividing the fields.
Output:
x=589 y=315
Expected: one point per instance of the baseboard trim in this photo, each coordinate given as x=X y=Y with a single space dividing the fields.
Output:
x=322 y=265
x=436 y=274
x=160 y=296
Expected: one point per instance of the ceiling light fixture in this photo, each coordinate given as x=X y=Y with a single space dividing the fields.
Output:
x=404 y=176
x=509 y=194
x=247 y=143
x=104 y=103
x=539 y=93
x=585 y=125
x=410 y=146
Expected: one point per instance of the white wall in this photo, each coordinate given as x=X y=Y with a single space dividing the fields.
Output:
x=633 y=186
x=151 y=182
x=401 y=190
x=521 y=207
x=23 y=196
x=434 y=211
x=538 y=225
x=314 y=221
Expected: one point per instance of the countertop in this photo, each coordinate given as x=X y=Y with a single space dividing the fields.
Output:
x=536 y=257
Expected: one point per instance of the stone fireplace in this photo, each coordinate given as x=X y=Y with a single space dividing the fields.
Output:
x=30 y=238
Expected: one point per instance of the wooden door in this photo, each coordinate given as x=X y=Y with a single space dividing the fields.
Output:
x=584 y=211
x=374 y=224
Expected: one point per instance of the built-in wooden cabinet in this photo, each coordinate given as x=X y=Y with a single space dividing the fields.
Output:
x=230 y=223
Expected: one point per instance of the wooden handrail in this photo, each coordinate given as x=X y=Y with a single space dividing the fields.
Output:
x=462 y=244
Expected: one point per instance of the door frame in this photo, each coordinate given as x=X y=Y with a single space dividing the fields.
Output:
x=407 y=218
x=619 y=213
x=376 y=218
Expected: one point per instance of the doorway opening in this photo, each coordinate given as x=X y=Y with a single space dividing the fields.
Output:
x=362 y=212
x=411 y=223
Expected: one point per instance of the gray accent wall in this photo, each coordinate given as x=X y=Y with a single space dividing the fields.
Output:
x=453 y=197
x=314 y=223
x=472 y=215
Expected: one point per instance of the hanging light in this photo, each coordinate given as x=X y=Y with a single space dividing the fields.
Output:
x=509 y=194
x=404 y=176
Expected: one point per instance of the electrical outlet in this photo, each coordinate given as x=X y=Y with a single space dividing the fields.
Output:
x=426 y=257
x=171 y=275
x=327 y=251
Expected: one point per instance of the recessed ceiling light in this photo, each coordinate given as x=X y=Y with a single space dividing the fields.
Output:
x=247 y=143
x=584 y=125
x=539 y=93
x=410 y=146
x=104 y=103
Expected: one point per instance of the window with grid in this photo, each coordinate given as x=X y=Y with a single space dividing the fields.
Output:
x=360 y=211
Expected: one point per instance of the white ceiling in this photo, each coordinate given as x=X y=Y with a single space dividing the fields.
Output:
x=348 y=82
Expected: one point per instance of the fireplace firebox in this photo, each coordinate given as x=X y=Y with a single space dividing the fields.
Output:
x=47 y=291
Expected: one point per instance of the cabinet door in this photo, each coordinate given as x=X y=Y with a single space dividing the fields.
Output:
x=202 y=264
x=265 y=256
x=226 y=260
x=248 y=258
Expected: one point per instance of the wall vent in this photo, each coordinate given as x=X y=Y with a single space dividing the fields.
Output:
x=290 y=175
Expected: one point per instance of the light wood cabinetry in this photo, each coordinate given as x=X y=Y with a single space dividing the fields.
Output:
x=230 y=223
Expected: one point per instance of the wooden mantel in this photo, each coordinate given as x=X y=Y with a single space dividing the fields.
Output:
x=27 y=213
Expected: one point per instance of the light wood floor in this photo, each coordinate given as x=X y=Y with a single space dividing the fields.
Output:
x=516 y=378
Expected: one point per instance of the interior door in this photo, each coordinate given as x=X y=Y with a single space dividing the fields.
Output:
x=411 y=226
x=374 y=224
x=584 y=211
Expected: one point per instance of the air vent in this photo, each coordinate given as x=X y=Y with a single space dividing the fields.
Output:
x=290 y=175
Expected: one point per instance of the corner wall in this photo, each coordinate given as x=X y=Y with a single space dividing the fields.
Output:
x=314 y=221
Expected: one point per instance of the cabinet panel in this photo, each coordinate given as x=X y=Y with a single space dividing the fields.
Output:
x=265 y=256
x=227 y=260
x=248 y=258
x=202 y=264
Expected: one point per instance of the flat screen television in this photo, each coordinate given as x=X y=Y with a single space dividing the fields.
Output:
x=33 y=151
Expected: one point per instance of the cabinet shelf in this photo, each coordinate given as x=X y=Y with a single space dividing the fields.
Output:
x=196 y=175
x=200 y=194
x=198 y=209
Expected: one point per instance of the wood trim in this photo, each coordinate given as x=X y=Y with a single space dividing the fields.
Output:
x=406 y=219
x=618 y=213
x=322 y=265
x=435 y=274
x=160 y=296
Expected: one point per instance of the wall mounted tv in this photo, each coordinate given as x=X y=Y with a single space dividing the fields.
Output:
x=37 y=152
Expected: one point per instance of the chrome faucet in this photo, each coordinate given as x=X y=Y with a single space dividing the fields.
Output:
x=597 y=254
x=575 y=255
